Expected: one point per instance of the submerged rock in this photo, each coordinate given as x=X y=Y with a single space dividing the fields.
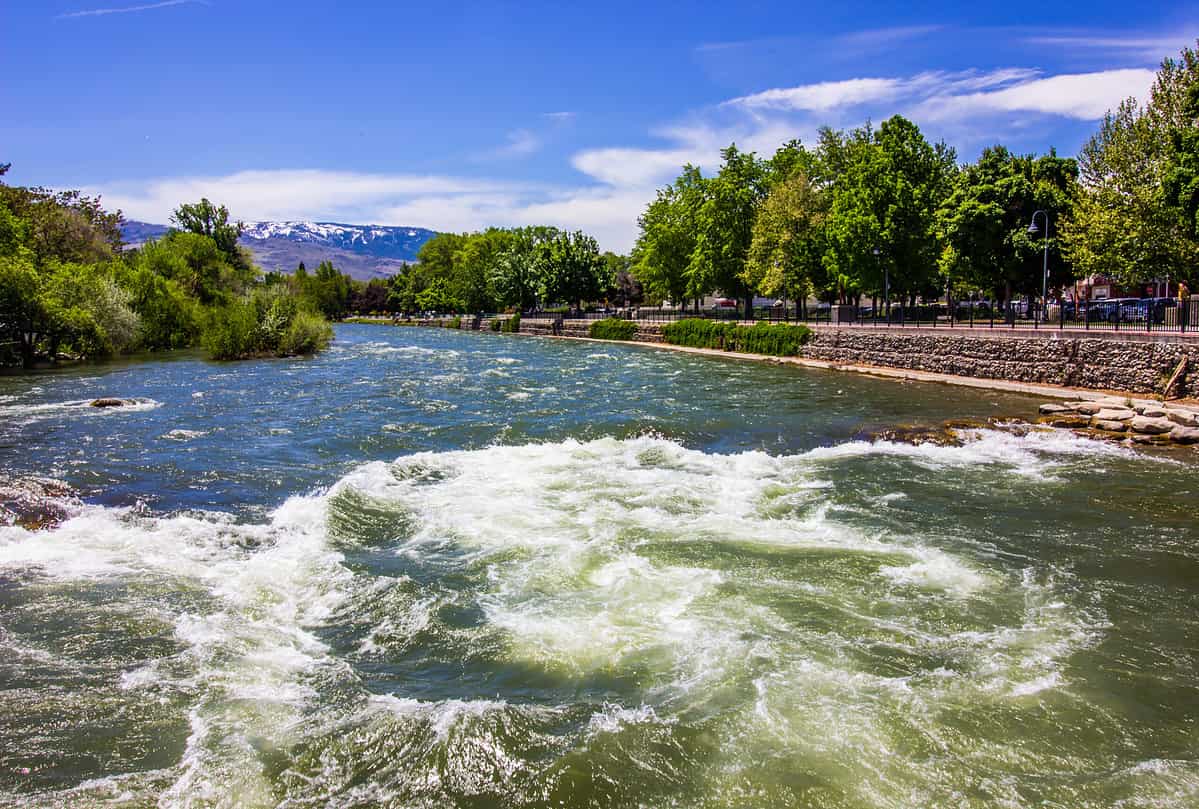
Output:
x=1109 y=425
x=1050 y=409
x=1069 y=420
x=110 y=402
x=1151 y=426
x=35 y=503
x=915 y=434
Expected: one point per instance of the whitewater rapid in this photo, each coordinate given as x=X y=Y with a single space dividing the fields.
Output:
x=628 y=617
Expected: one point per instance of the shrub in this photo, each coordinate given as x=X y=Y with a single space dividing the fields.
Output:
x=230 y=332
x=496 y=324
x=455 y=322
x=512 y=324
x=774 y=339
x=612 y=328
x=306 y=334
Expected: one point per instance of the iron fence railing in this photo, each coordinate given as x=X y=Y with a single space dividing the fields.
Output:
x=1127 y=314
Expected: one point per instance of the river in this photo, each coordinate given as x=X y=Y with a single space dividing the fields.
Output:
x=431 y=568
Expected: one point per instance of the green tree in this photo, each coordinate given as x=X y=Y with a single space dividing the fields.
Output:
x=984 y=221
x=573 y=269
x=787 y=251
x=889 y=184
x=1124 y=226
x=725 y=226
x=667 y=241
x=205 y=219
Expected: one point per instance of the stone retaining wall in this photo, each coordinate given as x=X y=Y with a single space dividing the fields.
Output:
x=1099 y=363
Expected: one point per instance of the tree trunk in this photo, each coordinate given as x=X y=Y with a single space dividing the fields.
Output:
x=749 y=306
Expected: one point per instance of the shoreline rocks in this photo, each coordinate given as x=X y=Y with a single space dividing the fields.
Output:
x=1114 y=418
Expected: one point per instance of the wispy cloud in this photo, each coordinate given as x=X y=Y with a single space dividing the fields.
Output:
x=1151 y=47
x=101 y=12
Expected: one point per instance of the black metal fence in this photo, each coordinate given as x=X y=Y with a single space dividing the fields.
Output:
x=1126 y=314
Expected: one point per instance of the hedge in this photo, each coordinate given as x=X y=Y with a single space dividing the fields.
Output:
x=774 y=339
x=612 y=328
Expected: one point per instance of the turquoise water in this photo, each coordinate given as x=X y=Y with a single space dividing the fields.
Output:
x=435 y=568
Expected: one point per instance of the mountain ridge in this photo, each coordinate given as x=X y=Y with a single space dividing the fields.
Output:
x=361 y=251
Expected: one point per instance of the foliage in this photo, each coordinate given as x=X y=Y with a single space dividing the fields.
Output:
x=779 y=340
x=511 y=325
x=205 y=219
x=1126 y=225
x=437 y=298
x=67 y=289
x=984 y=222
x=724 y=226
x=269 y=322
x=885 y=198
x=454 y=322
x=669 y=232
x=612 y=328
x=572 y=268
x=788 y=246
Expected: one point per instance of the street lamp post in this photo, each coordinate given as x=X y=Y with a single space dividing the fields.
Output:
x=886 y=284
x=1034 y=230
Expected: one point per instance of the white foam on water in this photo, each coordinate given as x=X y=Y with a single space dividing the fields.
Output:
x=594 y=559
x=184 y=435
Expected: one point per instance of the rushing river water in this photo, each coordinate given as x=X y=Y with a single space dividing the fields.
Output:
x=433 y=569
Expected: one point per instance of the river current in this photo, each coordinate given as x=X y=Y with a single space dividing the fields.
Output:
x=432 y=568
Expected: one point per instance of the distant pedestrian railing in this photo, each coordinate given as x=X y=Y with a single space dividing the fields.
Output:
x=1127 y=314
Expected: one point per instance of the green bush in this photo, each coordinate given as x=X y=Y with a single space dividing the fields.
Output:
x=612 y=328
x=774 y=339
x=231 y=332
x=306 y=334
x=455 y=322
x=496 y=324
x=512 y=324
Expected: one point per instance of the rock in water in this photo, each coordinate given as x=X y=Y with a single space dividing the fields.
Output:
x=109 y=403
x=1185 y=435
x=35 y=503
x=1050 y=409
x=1116 y=414
x=1187 y=418
x=1149 y=426
x=1109 y=425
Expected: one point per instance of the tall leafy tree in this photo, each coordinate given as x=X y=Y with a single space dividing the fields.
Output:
x=787 y=251
x=668 y=236
x=573 y=269
x=985 y=220
x=205 y=219
x=725 y=226
x=889 y=186
x=1124 y=225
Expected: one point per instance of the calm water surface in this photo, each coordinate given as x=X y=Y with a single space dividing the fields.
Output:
x=432 y=569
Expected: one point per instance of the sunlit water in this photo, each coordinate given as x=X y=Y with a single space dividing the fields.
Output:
x=433 y=569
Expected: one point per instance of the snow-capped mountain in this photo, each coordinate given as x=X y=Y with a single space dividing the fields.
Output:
x=373 y=240
x=362 y=251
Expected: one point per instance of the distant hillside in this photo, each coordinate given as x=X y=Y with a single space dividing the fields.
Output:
x=361 y=251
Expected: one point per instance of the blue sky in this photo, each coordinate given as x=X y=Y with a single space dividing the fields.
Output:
x=455 y=117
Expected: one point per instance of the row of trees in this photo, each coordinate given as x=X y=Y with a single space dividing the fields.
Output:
x=67 y=286
x=878 y=208
x=511 y=268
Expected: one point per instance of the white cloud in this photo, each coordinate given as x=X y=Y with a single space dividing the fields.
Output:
x=101 y=12
x=822 y=96
x=1084 y=96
